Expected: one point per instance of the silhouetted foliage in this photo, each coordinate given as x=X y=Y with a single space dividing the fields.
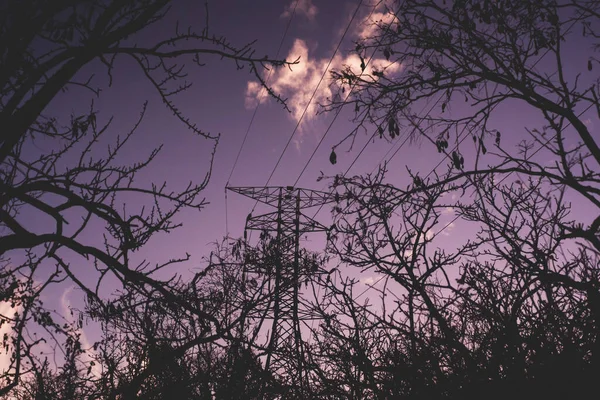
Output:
x=507 y=304
x=58 y=171
x=507 y=308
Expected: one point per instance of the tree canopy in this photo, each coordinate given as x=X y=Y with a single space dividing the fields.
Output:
x=508 y=307
x=511 y=307
x=57 y=169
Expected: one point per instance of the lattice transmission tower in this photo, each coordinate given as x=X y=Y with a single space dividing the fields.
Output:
x=289 y=224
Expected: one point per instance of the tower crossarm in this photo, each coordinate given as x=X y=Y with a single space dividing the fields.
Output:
x=270 y=195
x=269 y=222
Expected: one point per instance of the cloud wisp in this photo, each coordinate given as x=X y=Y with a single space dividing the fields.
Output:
x=297 y=83
x=301 y=84
x=6 y=311
x=88 y=355
x=302 y=7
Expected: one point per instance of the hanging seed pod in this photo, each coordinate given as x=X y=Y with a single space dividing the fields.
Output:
x=333 y=157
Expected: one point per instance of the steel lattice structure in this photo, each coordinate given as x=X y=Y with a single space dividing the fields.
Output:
x=289 y=224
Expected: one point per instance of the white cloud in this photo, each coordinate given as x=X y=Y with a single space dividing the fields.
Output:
x=446 y=231
x=303 y=7
x=369 y=280
x=429 y=234
x=6 y=310
x=298 y=83
x=255 y=92
x=298 y=143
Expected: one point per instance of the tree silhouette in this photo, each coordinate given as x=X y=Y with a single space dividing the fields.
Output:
x=485 y=53
x=511 y=312
x=512 y=309
x=508 y=308
x=78 y=189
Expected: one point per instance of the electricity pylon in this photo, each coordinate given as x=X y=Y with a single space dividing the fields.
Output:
x=289 y=223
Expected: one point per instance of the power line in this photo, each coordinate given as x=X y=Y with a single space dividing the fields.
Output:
x=369 y=141
x=339 y=110
x=373 y=135
x=396 y=152
x=237 y=157
x=314 y=92
x=371 y=286
x=447 y=155
x=311 y=99
x=510 y=173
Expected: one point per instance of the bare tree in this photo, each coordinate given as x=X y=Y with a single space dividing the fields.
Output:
x=467 y=59
x=512 y=309
x=71 y=183
x=511 y=312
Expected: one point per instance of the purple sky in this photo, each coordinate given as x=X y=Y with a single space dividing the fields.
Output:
x=220 y=102
x=223 y=100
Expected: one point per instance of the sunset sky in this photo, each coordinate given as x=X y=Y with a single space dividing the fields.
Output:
x=223 y=100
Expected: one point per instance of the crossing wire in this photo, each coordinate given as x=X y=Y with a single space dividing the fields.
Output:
x=417 y=126
x=446 y=154
x=237 y=157
x=310 y=100
x=338 y=111
x=371 y=138
x=348 y=170
x=314 y=92
x=369 y=141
